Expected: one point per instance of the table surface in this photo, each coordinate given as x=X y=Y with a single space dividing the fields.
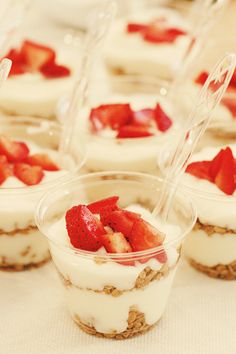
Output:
x=200 y=317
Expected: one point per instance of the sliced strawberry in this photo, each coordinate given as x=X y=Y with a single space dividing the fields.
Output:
x=156 y=34
x=15 y=151
x=201 y=78
x=200 y=169
x=110 y=115
x=36 y=54
x=133 y=131
x=144 y=236
x=215 y=164
x=115 y=243
x=230 y=103
x=29 y=175
x=144 y=117
x=135 y=27
x=52 y=70
x=225 y=176
x=42 y=160
x=18 y=62
x=106 y=211
x=131 y=215
x=84 y=229
x=233 y=80
x=162 y=120
x=118 y=221
x=17 y=69
x=5 y=169
x=96 y=207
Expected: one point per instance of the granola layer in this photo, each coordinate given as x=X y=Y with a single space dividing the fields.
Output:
x=16 y=232
x=211 y=229
x=18 y=267
x=136 y=324
x=220 y=271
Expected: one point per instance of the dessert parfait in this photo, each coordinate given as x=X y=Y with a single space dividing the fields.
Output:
x=30 y=164
x=115 y=258
x=39 y=76
x=210 y=181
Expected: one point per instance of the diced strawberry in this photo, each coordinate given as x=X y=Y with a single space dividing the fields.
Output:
x=201 y=78
x=131 y=215
x=133 y=131
x=118 y=221
x=36 y=54
x=106 y=211
x=135 y=27
x=200 y=169
x=225 y=176
x=18 y=62
x=230 y=103
x=144 y=117
x=17 y=69
x=42 y=160
x=52 y=70
x=15 y=151
x=110 y=115
x=115 y=243
x=215 y=164
x=5 y=169
x=96 y=207
x=29 y=175
x=175 y=32
x=233 y=80
x=162 y=120
x=156 y=34
x=144 y=236
x=84 y=229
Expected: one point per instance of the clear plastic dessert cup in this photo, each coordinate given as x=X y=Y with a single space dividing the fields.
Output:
x=21 y=244
x=106 y=152
x=115 y=295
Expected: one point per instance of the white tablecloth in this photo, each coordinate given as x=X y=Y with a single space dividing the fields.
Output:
x=200 y=318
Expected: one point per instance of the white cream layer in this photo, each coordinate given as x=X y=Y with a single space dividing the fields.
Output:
x=129 y=51
x=214 y=207
x=210 y=250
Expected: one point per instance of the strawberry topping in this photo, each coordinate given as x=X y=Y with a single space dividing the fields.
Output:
x=13 y=150
x=135 y=27
x=5 y=169
x=144 y=117
x=42 y=160
x=52 y=70
x=162 y=120
x=97 y=207
x=115 y=243
x=133 y=131
x=29 y=175
x=221 y=170
x=36 y=54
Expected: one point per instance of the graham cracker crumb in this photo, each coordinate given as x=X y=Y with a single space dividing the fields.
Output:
x=136 y=324
x=17 y=267
x=15 y=232
x=220 y=271
x=211 y=229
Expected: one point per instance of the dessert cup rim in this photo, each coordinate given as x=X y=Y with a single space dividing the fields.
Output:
x=41 y=186
x=125 y=256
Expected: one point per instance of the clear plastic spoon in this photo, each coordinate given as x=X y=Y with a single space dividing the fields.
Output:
x=196 y=124
x=5 y=67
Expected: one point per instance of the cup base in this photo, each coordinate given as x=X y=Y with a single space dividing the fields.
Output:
x=220 y=271
x=18 y=267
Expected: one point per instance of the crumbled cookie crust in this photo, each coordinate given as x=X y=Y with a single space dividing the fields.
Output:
x=220 y=271
x=211 y=229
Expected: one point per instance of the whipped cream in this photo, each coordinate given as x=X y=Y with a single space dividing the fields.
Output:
x=130 y=53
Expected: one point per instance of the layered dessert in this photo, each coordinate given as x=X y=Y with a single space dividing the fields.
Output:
x=119 y=290
x=125 y=132
x=210 y=180
x=154 y=42
x=38 y=78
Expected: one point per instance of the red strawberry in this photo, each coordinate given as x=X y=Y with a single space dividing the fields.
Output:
x=233 y=80
x=156 y=34
x=106 y=211
x=84 y=229
x=225 y=176
x=230 y=103
x=18 y=62
x=135 y=27
x=36 y=54
x=200 y=169
x=42 y=160
x=96 y=207
x=133 y=131
x=15 y=151
x=5 y=169
x=215 y=164
x=17 y=69
x=143 y=117
x=163 y=122
x=52 y=70
x=131 y=215
x=144 y=236
x=115 y=243
x=29 y=175
x=110 y=115
x=201 y=78
x=118 y=221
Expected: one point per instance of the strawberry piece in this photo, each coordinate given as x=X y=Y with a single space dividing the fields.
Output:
x=225 y=176
x=133 y=131
x=84 y=229
x=52 y=70
x=201 y=78
x=216 y=164
x=156 y=34
x=17 y=69
x=200 y=169
x=135 y=27
x=36 y=54
x=144 y=236
x=96 y=207
x=106 y=211
x=118 y=221
x=18 y=62
x=110 y=115
x=131 y=215
x=42 y=160
x=143 y=117
x=15 y=151
x=233 y=80
x=163 y=122
x=115 y=243
x=230 y=104
x=5 y=169
x=29 y=175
